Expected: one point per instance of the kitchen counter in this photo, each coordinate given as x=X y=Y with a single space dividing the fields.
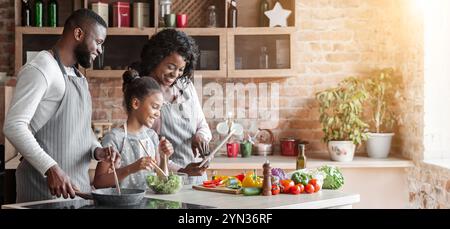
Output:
x=321 y=199
x=284 y=162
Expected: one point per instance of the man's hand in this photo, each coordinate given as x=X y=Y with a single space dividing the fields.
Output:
x=200 y=145
x=108 y=154
x=193 y=169
x=59 y=183
x=165 y=147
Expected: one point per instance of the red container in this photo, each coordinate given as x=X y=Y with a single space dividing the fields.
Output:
x=233 y=149
x=182 y=20
x=289 y=146
x=121 y=14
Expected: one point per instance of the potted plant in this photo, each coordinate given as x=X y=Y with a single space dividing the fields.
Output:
x=341 y=118
x=381 y=98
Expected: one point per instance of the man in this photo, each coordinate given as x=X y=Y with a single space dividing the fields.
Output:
x=49 y=121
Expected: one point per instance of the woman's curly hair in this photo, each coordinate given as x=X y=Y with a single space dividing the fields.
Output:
x=163 y=44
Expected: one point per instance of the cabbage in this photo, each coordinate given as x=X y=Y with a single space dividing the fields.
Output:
x=277 y=172
x=333 y=179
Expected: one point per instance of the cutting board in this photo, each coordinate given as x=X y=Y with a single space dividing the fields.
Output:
x=217 y=189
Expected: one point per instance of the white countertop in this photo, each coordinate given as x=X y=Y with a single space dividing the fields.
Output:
x=285 y=162
x=321 y=199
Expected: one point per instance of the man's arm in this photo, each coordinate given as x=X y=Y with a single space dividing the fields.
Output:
x=30 y=89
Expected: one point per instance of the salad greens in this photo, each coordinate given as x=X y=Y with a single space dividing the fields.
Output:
x=333 y=179
x=172 y=185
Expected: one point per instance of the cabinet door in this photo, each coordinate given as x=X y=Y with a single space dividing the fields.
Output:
x=253 y=52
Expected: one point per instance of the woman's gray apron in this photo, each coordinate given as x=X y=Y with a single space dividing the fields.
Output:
x=66 y=137
x=179 y=125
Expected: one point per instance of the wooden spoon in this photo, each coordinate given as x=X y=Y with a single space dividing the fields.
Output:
x=115 y=174
x=159 y=171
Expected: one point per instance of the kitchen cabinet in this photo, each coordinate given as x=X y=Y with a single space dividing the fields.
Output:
x=224 y=52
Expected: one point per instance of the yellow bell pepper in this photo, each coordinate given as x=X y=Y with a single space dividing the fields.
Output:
x=252 y=181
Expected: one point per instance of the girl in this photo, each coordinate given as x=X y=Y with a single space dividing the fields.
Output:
x=142 y=100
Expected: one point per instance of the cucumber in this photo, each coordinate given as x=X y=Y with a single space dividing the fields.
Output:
x=251 y=191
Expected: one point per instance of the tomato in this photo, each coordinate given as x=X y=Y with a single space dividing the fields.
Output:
x=208 y=182
x=316 y=187
x=286 y=185
x=313 y=182
x=302 y=188
x=296 y=189
x=209 y=185
x=275 y=190
x=309 y=188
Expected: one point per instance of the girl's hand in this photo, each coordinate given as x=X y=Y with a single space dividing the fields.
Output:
x=165 y=147
x=144 y=163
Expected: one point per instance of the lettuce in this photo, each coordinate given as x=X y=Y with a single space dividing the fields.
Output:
x=333 y=179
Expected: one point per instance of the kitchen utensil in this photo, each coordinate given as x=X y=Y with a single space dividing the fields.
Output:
x=116 y=180
x=110 y=196
x=246 y=149
x=159 y=171
x=233 y=149
x=217 y=189
x=211 y=155
x=288 y=146
x=264 y=142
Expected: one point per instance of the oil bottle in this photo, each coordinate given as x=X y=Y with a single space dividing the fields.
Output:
x=301 y=159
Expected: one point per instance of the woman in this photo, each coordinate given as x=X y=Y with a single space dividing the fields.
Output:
x=169 y=57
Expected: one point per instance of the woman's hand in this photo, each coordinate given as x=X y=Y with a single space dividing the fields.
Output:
x=165 y=147
x=144 y=163
x=193 y=169
x=200 y=145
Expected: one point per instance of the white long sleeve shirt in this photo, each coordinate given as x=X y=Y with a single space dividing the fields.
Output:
x=39 y=90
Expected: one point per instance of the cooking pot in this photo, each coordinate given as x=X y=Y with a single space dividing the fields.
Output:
x=110 y=196
x=289 y=146
x=264 y=144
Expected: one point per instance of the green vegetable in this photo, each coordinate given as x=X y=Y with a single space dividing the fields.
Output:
x=333 y=179
x=301 y=177
x=251 y=191
x=172 y=185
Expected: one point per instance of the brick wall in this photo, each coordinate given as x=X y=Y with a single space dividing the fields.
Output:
x=335 y=39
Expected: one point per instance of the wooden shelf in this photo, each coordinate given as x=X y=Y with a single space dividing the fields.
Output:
x=196 y=9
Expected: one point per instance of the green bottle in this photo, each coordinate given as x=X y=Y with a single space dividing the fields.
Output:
x=38 y=9
x=301 y=159
x=263 y=19
x=53 y=13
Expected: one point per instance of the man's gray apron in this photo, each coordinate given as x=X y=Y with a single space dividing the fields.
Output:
x=179 y=125
x=66 y=137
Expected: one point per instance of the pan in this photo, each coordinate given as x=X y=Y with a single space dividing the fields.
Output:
x=110 y=196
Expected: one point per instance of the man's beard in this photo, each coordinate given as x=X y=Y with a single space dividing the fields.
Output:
x=83 y=56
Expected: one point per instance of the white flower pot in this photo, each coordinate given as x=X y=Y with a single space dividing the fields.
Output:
x=379 y=144
x=342 y=151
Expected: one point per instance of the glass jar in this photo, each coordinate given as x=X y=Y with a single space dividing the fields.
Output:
x=212 y=17
x=264 y=58
x=164 y=8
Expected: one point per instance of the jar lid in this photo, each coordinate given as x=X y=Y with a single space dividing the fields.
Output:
x=291 y=139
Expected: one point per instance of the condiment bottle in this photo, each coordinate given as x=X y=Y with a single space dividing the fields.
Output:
x=301 y=159
x=267 y=181
x=232 y=15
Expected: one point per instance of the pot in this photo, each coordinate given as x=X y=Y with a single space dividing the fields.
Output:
x=379 y=144
x=264 y=145
x=342 y=151
x=110 y=196
x=289 y=146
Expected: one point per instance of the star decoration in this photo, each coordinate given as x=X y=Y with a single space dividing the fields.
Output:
x=278 y=16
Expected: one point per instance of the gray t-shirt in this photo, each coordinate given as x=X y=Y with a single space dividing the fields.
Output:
x=131 y=151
